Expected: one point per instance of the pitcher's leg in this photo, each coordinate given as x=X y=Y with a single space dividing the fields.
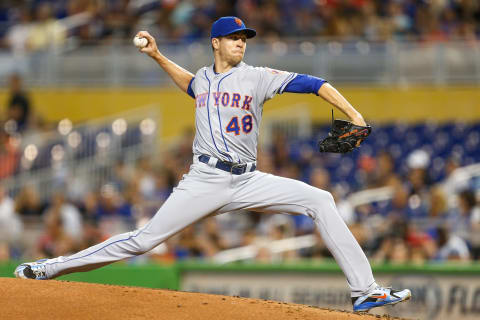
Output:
x=192 y=200
x=342 y=244
x=269 y=193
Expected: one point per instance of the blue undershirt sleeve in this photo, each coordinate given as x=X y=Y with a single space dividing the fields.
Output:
x=304 y=83
x=190 y=90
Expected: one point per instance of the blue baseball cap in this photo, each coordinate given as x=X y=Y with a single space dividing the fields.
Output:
x=228 y=25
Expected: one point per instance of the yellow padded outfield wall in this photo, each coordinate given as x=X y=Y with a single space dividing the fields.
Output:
x=177 y=109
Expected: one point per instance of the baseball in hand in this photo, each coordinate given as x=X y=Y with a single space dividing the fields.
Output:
x=140 y=42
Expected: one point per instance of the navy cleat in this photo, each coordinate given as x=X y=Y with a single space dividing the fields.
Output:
x=380 y=297
x=32 y=270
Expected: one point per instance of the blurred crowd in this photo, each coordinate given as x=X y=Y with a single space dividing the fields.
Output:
x=36 y=25
x=18 y=119
x=420 y=222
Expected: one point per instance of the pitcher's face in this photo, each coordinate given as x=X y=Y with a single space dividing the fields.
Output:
x=232 y=48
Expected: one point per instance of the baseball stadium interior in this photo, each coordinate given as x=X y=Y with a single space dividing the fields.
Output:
x=94 y=136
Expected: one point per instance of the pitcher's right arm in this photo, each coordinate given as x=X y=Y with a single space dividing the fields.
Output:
x=180 y=76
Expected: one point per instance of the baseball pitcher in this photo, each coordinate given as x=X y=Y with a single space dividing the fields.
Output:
x=229 y=97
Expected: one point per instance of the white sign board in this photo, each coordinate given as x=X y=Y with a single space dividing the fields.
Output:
x=433 y=296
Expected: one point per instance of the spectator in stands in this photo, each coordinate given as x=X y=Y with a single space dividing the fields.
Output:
x=366 y=166
x=112 y=205
x=397 y=19
x=398 y=251
x=418 y=256
x=280 y=151
x=320 y=178
x=8 y=155
x=202 y=14
x=188 y=245
x=146 y=177
x=88 y=207
x=19 y=106
x=318 y=252
x=91 y=234
x=280 y=227
x=211 y=238
x=265 y=161
x=17 y=38
x=392 y=247
x=421 y=244
x=418 y=184
x=131 y=203
x=46 y=35
x=190 y=20
x=121 y=175
x=455 y=180
x=289 y=170
x=181 y=156
x=28 y=203
x=55 y=241
x=384 y=173
x=68 y=214
x=47 y=32
x=450 y=247
x=438 y=214
x=233 y=226
x=475 y=231
x=11 y=226
x=377 y=224
x=438 y=205
x=461 y=219
x=249 y=237
x=163 y=182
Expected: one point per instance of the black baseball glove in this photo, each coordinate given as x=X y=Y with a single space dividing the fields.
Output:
x=344 y=137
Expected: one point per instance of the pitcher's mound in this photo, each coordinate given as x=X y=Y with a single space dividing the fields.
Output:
x=22 y=299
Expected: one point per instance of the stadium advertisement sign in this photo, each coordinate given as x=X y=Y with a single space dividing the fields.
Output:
x=434 y=296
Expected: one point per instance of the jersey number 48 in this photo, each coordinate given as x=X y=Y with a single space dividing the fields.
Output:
x=246 y=125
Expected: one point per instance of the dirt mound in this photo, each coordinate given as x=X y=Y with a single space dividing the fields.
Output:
x=21 y=299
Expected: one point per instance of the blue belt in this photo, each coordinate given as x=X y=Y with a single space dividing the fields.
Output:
x=233 y=168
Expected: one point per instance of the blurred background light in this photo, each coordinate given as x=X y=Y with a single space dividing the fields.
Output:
x=65 y=126
x=119 y=126
x=30 y=152
x=148 y=126
x=307 y=48
x=103 y=140
x=58 y=152
x=74 y=139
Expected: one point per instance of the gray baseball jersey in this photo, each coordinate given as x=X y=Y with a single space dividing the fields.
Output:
x=229 y=109
x=228 y=115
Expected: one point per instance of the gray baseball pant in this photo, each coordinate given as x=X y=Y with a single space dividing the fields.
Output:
x=206 y=190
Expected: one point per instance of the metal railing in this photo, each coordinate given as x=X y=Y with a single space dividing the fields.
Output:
x=356 y=61
x=86 y=153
